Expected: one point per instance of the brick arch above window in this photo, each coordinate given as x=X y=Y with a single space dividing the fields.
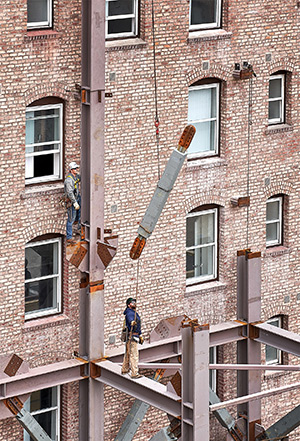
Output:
x=283 y=64
x=45 y=90
x=215 y=71
x=282 y=188
x=49 y=225
x=203 y=198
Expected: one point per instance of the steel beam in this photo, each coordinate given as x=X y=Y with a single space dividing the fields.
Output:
x=195 y=378
x=278 y=338
x=283 y=427
x=31 y=426
x=254 y=397
x=144 y=389
x=41 y=377
x=249 y=351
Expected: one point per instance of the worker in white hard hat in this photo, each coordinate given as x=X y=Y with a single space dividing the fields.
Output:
x=72 y=193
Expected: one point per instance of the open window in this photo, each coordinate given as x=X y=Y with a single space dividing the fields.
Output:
x=44 y=406
x=39 y=14
x=203 y=113
x=43 y=275
x=205 y=14
x=121 y=18
x=44 y=143
x=201 y=245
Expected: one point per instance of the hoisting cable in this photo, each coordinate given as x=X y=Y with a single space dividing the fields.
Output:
x=156 y=123
x=248 y=153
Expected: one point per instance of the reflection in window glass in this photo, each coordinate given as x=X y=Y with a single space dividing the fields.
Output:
x=205 y=14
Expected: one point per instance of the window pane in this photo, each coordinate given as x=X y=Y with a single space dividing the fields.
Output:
x=205 y=137
x=43 y=399
x=120 y=26
x=275 y=109
x=202 y=104
x=203 y=11
x=38 y=404
x=37 y=11
x=200 y=230
x=200 y=262
x=273 y=210
x=42 y=126
x=41 y=260
x=40 y=294
x=120 y=7
x=275 y=88
x=272 y=233
x=271 y=354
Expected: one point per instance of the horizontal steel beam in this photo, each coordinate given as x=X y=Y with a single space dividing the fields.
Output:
x=42 y=377
x=255 y=367
x=253 y=397
x=220 y=334
x=278 y=338
x=144 y=389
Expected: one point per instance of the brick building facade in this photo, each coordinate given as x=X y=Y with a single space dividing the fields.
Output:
x=250 y=129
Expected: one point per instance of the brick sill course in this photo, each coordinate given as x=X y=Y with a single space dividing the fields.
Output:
x=45 y=34
x=211 y=34
x=279 y=128
x=215 y=161
x=204 y=288
x=128 y=43
x=40 y=190
x=276 y=251
x=45 y=322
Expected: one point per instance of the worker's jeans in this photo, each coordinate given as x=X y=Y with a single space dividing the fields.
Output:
x=131 y=358
x=73 y=215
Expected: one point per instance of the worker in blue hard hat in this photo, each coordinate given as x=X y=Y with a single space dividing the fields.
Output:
x=73 y=198
x=134 y=337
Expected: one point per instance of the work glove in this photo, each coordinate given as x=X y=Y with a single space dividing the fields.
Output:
x=133 y=323
x=76 y=206
x=141 y=340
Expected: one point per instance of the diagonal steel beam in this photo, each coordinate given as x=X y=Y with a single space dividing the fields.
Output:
x=283 y=427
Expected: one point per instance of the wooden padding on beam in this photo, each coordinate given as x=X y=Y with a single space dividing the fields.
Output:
x=13 y=365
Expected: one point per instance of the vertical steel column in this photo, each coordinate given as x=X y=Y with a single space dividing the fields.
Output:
x=195 y=382
x=249 y=351
x=92 y=212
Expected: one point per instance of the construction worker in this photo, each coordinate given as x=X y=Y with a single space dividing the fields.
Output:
x=134 y=337
x=72 y=194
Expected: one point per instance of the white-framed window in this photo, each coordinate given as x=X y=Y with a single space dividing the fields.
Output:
x=121 y=18
x=39 y=14
x=43 y=144
x=274 y=355
x=274 y=221
x=205 y=14
x=43 y=275
x=203 y=113
x=213 y=372
x=276 y=99
x=201 y=245
x=44 y=405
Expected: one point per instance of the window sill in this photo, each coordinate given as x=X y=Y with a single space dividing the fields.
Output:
x=279 y=128
x=211 y=162
x=206 y=287
x=276 y=251
x=45 y=322
x=207 y=35
x=128 y=43
x=40 y=190
x=44 y=34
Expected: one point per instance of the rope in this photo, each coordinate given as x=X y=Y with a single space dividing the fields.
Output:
x=156 y=123
x=248 y=153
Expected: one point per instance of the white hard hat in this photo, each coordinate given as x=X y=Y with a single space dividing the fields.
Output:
x=73 y=165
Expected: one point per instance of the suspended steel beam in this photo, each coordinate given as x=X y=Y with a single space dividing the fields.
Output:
x=252 y=367
x=277 y=337
x=42 y=377
x=283 y=427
